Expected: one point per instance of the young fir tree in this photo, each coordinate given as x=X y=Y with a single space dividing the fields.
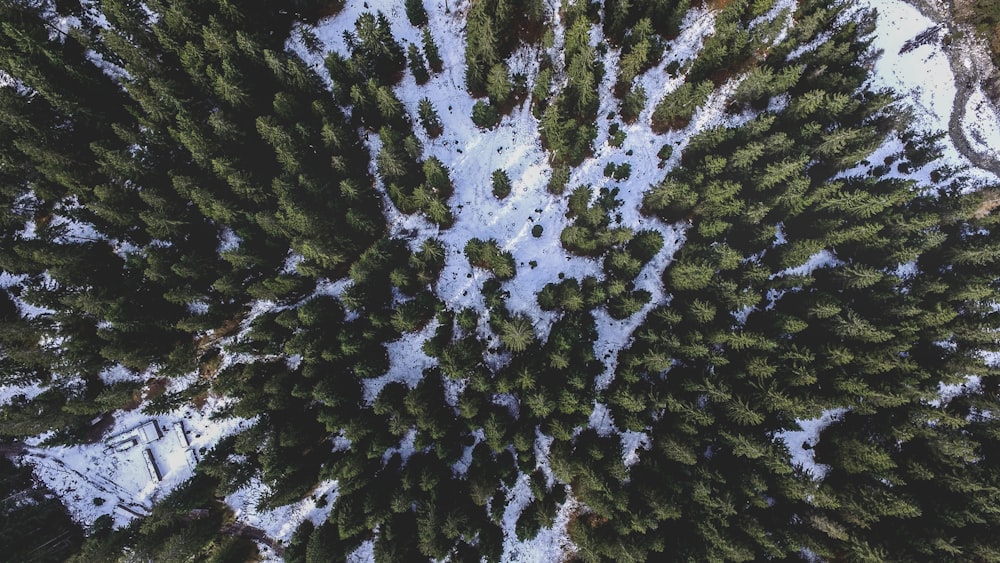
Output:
x=417 y=66
x=429 y=118
x=431 y=51
x=501 y=184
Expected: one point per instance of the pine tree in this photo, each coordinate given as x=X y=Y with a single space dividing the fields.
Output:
x=431 y=51
x=498 y=85
x=415 y=12
x=429 y=118
x=417 y=66
x=633 y=103
x=501 y=184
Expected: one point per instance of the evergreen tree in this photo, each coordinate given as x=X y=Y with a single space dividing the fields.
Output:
x=501 y=184
x=429 y=118
x=417 y=66
x=431 y=51
x=415 y=12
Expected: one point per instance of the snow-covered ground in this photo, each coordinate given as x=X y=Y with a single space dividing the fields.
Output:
x=982 y=125
x=281 y=523
x=923 y=77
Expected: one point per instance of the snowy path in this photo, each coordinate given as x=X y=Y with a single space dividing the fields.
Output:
x=970 y=62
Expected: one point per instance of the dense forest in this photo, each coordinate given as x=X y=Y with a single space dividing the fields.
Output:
x=209 y=195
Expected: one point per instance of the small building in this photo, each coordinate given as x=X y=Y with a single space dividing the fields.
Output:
x=182 y=437
x=149 y=432
x=192 y=458
x=125 y=444
x=145 y=433
x=154 y=470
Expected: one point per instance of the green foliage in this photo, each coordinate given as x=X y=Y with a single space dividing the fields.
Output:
x=417 y=66
x=35 y=525
x=501 y=184
x=675 y=110
x=487 y=255
x=373 y=48
x=415 y=12
x=485 y=115
x=429 y=118
x=217 y=174
x=431 y=52
x=559 y=179
x=633 y=103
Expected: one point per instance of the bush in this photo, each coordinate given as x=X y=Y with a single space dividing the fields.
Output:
x=485 y=115
x=429 y=118
x=633 y=104
x=645 y=245
x=618 y=135
x=665 y=152
x=417 y=66
x=622 y=172
x=536 y=231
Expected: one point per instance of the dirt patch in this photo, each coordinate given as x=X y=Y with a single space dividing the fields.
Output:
x=227 y=328
x=991 y=201
x=155 y=387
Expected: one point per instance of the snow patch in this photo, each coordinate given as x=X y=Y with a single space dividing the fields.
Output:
x=801 y=442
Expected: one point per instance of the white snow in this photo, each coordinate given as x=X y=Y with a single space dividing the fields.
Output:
x=981 y=124
x=405 y=448
x=632 y=441
x=550 y=544
x=797 y=440
x=922 y=76
x=407 y=362
x=117 y=374
x=822 y=259
x=949 y=392
x=602 y=421
x=9 y=392
x=280 y=523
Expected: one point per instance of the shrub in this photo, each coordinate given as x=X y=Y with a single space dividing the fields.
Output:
x=665 y=152
x=633 y=104
x=485 y=115
x=622 y=172
x=429 y=118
